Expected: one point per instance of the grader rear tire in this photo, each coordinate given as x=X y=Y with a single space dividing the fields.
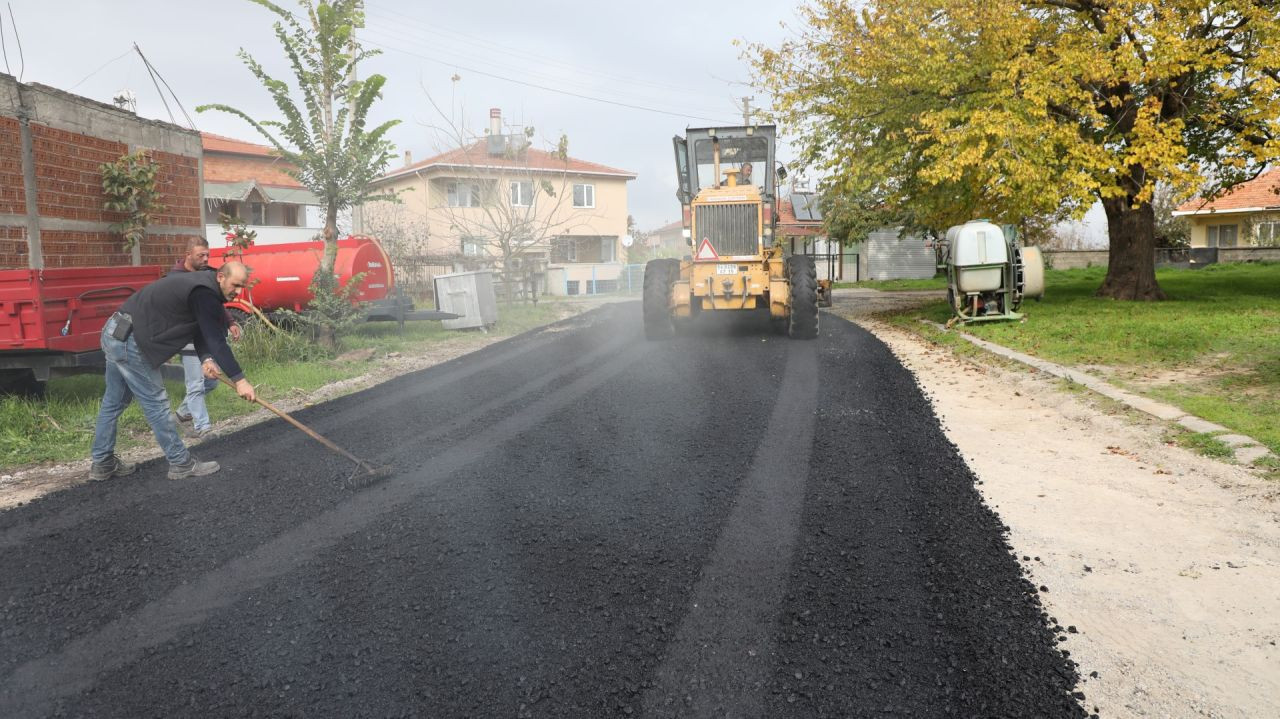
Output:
x=659 y=276
x=803 y=277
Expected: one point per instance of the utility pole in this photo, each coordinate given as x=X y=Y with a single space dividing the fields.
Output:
x=746 y=110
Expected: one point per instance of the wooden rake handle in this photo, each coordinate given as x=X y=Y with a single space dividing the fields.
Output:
x=314 y=435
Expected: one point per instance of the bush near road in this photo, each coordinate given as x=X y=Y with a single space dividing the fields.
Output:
x=1212 y=349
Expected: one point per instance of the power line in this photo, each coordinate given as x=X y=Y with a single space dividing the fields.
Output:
x=472 y=40
x=550 y=89
x=157 y=84
x=156 y=74
x=22 y=60
x=100 y=69
x=399 y=37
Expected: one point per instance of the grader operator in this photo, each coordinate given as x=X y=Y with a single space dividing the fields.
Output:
x=727 y=195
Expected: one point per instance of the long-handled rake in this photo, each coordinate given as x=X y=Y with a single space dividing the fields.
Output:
x=367 y=472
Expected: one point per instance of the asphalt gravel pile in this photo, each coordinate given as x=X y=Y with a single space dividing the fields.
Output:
x=558 y=502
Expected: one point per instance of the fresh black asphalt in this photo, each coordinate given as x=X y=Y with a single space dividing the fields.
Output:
x=579 y=523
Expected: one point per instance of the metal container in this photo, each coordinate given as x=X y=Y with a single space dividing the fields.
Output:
x=281 y=274
x=469 y=295
x=979 y=253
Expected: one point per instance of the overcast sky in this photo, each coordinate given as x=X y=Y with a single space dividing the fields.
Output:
x=674 y=58
x=652 y=68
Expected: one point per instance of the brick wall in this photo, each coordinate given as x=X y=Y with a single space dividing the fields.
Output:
x=238 y=168
x=12 y=200
x=71 y=137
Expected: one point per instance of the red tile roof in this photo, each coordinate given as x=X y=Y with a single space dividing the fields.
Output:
x=789 y=225
x=218 y=143
x=1261 y=191
x=476 y=155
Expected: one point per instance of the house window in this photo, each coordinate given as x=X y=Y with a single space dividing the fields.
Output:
x=584 y=249
x=564 y=249
x=291 y=215
x=462 y=194
x=257 y=213
x=584 y=195
x=471 y=246
x=521 y=194
x=1267 y=234
x=1221 y=235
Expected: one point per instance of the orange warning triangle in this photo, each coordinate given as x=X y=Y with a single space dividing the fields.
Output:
x=706 y=251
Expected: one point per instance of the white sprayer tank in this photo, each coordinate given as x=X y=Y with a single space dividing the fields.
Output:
x=979 y=254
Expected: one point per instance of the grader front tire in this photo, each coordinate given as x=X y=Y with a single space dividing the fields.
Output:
x=659 y=276
x=803 y=277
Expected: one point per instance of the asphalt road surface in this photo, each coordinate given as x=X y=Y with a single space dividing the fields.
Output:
x=579 y=523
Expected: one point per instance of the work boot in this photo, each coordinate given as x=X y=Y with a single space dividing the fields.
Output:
x=112 y=466
x=193 y=468
x=194 y=433
x=179 y=418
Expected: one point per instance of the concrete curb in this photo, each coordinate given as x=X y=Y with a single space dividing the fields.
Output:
x=1247 y=450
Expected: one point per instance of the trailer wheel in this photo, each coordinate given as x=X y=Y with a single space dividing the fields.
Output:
x=21 y=383
x=803 y=278
x=659 y=276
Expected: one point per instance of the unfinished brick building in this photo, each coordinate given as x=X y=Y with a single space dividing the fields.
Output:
x=51 y=203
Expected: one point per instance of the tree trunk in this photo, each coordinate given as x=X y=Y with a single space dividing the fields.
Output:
x=1131 y=266
x=330 y=239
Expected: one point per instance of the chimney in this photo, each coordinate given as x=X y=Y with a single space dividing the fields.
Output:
x=497 y=143
x=408 y=158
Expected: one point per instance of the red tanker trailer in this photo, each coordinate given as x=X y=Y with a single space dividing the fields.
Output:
x=281 y=274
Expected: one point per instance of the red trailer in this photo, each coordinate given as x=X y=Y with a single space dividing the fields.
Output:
x=281 y=274
x=50 y=319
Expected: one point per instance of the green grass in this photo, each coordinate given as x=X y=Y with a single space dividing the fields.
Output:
x=60 y=426
x=1206 y=444
x=1212 y=348
x=933 y=283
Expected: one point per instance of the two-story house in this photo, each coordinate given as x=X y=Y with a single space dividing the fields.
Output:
x=499 y=202
x=251 y=182
x=1247 y=215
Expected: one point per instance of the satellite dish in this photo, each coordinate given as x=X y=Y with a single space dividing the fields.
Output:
x=628 y=240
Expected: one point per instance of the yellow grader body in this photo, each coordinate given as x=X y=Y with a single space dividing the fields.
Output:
x=729 y=218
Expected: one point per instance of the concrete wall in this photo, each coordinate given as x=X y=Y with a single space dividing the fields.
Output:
x=1074 y=259
x=51 y=215
x=1071 y=259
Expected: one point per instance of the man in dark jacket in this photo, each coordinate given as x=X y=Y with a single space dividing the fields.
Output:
x=152 y=326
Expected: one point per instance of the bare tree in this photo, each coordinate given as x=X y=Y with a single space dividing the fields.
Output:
x=403 y=235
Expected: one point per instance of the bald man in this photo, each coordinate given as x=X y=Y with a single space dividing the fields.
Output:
x=152 y=326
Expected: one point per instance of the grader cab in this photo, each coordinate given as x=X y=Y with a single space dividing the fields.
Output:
x=727 y=191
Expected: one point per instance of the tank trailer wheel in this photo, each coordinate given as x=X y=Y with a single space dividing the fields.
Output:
x=659 y=276
x=803 y=278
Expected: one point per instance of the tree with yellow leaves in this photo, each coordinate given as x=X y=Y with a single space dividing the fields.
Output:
x=946 y=110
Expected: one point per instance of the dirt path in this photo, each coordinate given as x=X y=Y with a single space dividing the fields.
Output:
x=1161 y=565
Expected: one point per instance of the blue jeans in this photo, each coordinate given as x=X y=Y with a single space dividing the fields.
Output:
x=129 y=375
x=197 y=387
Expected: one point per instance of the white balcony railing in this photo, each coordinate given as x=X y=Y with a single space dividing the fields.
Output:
x=267 y=235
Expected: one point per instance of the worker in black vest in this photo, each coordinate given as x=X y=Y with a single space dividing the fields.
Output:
x=152 y=326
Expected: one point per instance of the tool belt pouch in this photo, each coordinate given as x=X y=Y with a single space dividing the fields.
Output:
x=124 y=325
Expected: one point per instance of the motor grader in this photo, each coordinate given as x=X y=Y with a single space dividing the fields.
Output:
x=727 y=191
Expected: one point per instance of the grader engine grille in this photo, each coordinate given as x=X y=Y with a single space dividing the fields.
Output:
x=733 y=229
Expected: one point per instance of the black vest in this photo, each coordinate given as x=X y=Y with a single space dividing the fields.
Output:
x=162 y=320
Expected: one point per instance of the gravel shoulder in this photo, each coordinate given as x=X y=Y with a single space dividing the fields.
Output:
x=1161 y=564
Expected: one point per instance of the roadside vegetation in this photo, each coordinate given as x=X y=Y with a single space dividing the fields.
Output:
x=59 y=427
x=1212 y=349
